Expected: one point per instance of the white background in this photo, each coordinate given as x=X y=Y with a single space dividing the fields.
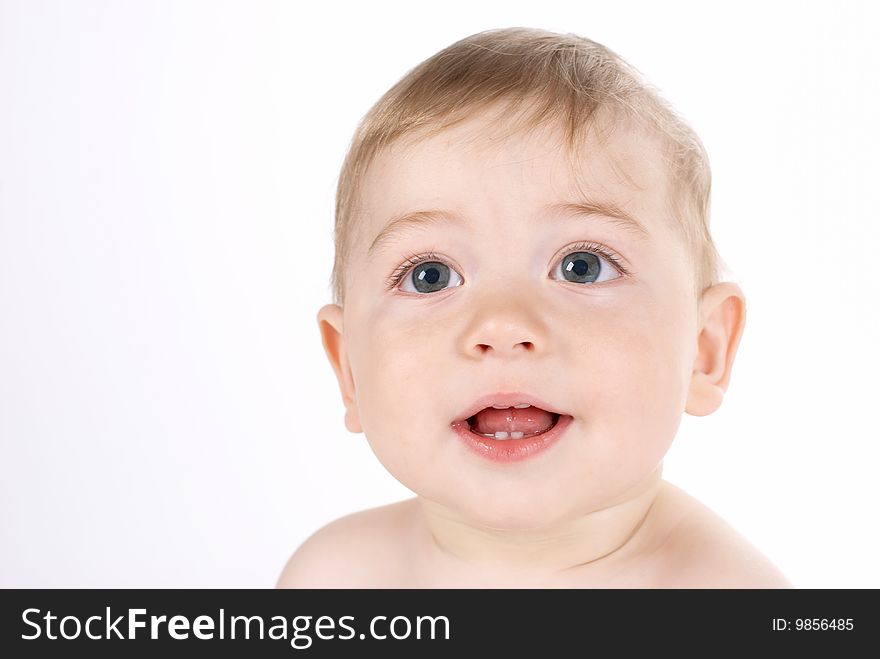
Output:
x=167 y=175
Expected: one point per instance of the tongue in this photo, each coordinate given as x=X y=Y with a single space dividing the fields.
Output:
x=529 y=420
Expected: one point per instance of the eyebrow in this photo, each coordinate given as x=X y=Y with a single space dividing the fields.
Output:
x=600 y=210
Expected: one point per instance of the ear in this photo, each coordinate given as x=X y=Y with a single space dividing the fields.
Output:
x=330 y=324
x=722 y=320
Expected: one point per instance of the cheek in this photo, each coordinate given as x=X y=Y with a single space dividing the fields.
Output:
x=632 y=385
x=402 y=387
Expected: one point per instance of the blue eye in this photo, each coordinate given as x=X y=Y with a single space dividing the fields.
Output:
x=588 y=267
x=429 y=277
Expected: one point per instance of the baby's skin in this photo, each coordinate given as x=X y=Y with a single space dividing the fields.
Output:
x=485 y=264
x=679 y=543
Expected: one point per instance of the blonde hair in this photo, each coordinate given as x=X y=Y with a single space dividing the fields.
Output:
x=554 y=78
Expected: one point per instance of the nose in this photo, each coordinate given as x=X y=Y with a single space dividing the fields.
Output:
x=504 y=328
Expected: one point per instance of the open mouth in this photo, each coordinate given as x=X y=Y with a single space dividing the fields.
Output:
x=517 y=422
x=511 y=427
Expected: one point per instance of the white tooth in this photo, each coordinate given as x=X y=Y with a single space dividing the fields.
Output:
x=501 y=435
x=516 y=435
x=523 y=406
x=500 y=407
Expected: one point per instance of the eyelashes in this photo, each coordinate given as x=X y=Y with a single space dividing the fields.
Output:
x=396 y=277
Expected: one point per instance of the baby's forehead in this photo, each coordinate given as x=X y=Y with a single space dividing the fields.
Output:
x=618 y=165
x=612 y=151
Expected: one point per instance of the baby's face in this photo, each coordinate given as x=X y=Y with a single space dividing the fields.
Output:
x=499 y=307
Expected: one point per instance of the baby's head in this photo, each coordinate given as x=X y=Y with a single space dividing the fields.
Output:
x=522 y=214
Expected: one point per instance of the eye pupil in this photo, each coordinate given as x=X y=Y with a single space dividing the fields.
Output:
x=430 y=275
x=580 y=267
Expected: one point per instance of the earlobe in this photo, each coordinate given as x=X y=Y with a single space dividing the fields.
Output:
x=722 y=321
x=332 y=336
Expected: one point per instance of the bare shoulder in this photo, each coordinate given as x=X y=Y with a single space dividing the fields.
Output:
x=701 y=550
x=359 y=550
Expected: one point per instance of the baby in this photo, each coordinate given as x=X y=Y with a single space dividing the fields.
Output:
x=527 y=298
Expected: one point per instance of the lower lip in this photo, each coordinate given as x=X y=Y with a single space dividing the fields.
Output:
x=511 y=450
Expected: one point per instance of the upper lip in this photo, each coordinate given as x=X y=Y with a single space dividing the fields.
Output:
x=506 y=400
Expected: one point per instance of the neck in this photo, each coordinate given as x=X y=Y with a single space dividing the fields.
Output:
x=593 y=541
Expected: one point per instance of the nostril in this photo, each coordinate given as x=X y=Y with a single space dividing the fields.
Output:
x=526 y=345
